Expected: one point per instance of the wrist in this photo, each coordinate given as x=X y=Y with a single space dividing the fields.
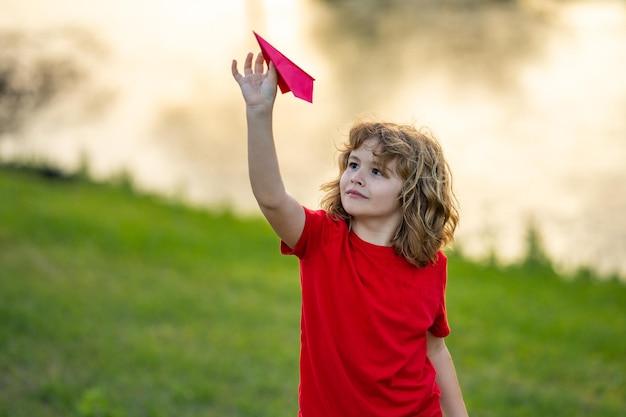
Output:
x=259 y=110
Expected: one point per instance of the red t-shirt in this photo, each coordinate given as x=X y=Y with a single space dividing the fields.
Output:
x=365 y=314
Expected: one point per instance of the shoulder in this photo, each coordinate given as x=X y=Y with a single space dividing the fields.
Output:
x=319 y=227
x=315 y=214
x=442 y=259
x=320 y=218
x=434 y=272
x=441 y=267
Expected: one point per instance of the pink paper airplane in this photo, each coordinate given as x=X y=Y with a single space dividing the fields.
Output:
x=290 y=76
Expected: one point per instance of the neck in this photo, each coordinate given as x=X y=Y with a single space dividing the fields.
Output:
x=374 y=232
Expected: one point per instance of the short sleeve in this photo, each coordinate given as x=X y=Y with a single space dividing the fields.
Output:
x=440 y=326
x=314 y=228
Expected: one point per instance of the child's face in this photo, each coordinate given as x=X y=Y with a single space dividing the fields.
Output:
x=369 y=190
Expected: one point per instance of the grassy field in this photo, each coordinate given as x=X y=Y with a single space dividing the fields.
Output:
x=116 y=305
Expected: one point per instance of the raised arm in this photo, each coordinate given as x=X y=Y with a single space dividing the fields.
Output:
x=282 y=211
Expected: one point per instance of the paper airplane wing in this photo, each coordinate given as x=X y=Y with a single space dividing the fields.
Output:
x=290 y=76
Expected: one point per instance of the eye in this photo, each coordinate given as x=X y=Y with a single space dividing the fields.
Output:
x=353 y=165
x=377 y=172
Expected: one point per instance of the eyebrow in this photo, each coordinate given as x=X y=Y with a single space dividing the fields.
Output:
x=375 y=160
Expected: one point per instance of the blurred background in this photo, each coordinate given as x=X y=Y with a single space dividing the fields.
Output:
x=528 y=98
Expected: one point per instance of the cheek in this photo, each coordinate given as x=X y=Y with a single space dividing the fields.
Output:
x=395 y=193
x=343 y=181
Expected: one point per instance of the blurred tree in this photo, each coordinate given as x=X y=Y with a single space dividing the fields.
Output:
x=535 y=257
x=35 y=68
x=443 y=3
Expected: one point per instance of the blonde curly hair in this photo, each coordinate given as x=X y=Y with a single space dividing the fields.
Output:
x=429 y=208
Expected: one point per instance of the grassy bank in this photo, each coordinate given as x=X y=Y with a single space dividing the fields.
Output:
x=113 y=304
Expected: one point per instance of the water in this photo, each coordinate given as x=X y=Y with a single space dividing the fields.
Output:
x=528 y=101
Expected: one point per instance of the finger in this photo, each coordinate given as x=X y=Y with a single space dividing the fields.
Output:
x=247 y=68
x=235 y=71
x=258 y=64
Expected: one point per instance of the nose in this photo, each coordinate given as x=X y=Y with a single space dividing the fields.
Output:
x=357 y=178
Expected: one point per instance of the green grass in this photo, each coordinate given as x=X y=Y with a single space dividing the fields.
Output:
x=114 y=305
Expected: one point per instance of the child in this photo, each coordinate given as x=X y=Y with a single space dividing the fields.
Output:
x=372 y=273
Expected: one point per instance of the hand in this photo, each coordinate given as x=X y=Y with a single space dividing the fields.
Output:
x=258 y=87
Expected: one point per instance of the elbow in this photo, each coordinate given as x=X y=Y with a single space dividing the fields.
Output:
x=270 y=202
x=269 y=194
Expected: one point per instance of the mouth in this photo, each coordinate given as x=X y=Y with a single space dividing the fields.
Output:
x=354 y=194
